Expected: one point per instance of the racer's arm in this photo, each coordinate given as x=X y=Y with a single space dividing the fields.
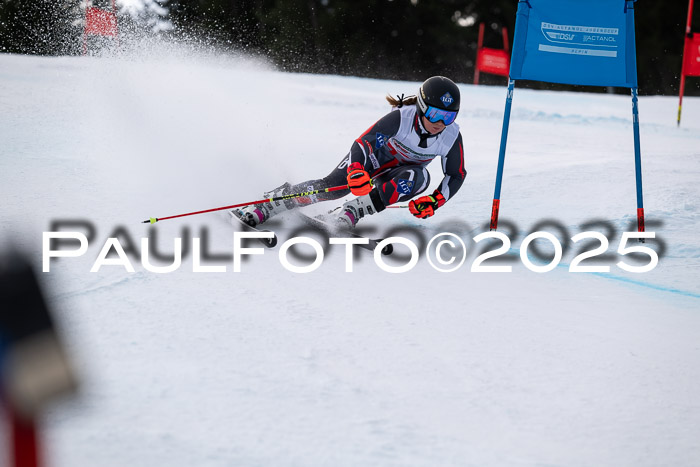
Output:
x=454 y=170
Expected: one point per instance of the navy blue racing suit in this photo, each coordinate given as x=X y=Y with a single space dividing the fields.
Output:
x=395 y=152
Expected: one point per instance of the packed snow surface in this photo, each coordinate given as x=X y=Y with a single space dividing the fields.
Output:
x=270 y=367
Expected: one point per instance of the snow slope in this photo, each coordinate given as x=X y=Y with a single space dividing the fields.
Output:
x=268 y=367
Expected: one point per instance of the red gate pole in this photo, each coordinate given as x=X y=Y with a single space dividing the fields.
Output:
x=685 y=51
x=479 y=45
x=25 y=440
x=505 y=39
x=115 y=15
x=88 y=4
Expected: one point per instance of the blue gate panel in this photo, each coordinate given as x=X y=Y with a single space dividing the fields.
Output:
x=586 y=42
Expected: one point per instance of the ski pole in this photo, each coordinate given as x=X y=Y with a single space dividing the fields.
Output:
x=153 y=220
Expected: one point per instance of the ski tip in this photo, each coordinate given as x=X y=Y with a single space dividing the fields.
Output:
x=388 y=249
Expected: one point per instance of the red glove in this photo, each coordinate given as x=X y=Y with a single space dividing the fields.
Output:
x=358 y=180
x=425 y=206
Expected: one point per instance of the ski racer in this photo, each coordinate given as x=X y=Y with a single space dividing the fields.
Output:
x=387 y=163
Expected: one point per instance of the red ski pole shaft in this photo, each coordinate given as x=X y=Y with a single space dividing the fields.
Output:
x=153 y=220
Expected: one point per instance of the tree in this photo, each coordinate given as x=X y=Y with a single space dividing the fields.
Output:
x=396 y=39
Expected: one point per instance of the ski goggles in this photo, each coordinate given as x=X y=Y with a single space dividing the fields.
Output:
x=435 y=115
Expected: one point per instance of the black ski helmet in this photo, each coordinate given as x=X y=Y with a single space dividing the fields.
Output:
x=439 y=92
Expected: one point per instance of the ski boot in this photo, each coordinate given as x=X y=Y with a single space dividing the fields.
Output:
x=256 y=214
x=355 y=209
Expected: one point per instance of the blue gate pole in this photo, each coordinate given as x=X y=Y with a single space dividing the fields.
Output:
x=637 y=161
x=502 y=156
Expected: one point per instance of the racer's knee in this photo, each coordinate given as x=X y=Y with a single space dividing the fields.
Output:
x=402 y=184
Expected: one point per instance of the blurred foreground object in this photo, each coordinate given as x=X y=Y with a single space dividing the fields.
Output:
x=35 y=368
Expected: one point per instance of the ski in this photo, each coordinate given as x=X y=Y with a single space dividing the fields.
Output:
x=321 y=224
x=236 y=214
